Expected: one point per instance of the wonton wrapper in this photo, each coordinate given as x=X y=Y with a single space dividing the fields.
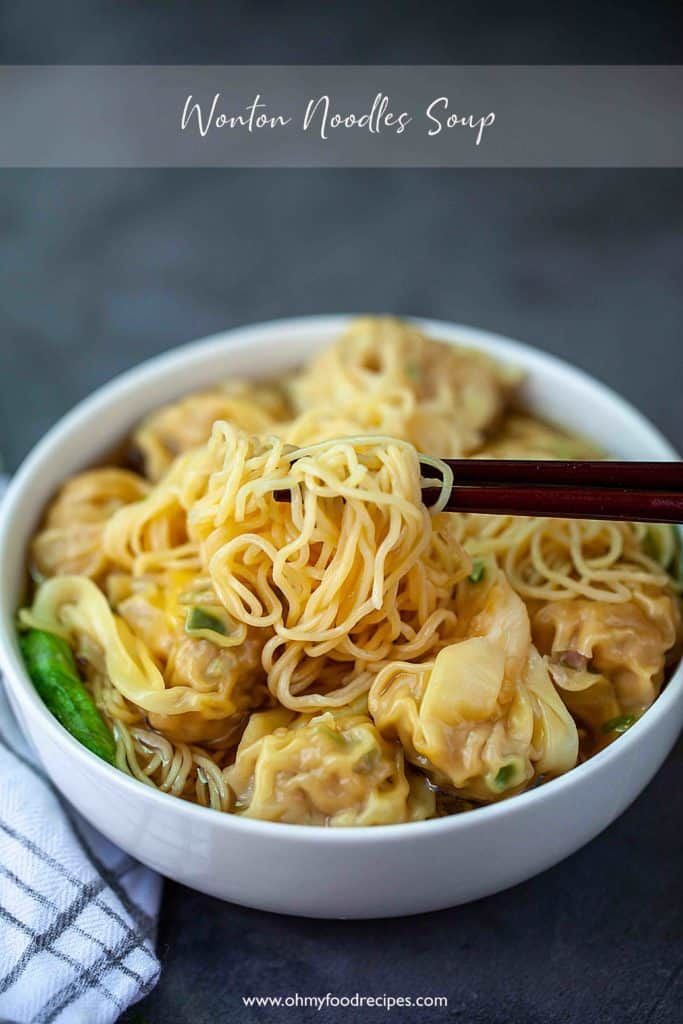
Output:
x=329 y=769
x=71 y=539
x=205 y=683
x=187 y=423
x=625 y=647
x=484 y=717
x=385 y=376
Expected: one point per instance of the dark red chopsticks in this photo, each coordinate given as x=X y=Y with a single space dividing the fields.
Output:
x=665 y=476
x=637 y=491
x=647 y=492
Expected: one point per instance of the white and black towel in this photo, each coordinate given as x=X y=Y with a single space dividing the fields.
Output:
x=77 y=915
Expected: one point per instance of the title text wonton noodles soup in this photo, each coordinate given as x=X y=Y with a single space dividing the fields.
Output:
x=349 y=656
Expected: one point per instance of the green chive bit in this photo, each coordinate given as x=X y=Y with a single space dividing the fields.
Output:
x=619 y=724
x=199 y=618
x=478 y=572
x=504 y=776
x=332 y=734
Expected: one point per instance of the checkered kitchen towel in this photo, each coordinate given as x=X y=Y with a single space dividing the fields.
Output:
x=77 y=916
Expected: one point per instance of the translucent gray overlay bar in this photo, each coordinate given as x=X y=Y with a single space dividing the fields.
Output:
x=325 y=116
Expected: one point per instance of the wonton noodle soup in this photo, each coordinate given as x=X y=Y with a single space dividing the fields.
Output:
x=349 y=656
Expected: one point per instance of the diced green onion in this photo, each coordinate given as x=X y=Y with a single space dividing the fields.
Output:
x=332 y=734
x=619 y=724
x=504 y=776
x=199 y=619
x=478 y=572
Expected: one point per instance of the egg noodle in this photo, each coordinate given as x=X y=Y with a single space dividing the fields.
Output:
x=274 y=624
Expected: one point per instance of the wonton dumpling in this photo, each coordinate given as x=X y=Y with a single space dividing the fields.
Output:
x=483 y=717
x=152 y=606
x=329 y=769
x=71 y=539
x=440 y=397
x=201 y=680
x=233 y=672
x=608 y=657
x=187 y=423
x=154 y=611
x=523 y=437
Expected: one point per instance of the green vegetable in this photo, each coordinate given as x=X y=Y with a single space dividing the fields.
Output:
x=504 y=776
x=52 y=669
x=619 y=724
x=199 y=618
x=332 y=734
x=507 y=776
x=478 y=572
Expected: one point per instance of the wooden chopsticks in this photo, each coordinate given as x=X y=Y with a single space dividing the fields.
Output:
x=666 y=476
x=647 y=492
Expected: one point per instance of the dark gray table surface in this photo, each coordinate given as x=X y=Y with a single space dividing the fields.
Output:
x=101 y=269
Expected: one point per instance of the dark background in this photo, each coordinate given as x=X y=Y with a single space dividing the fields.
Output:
x=101 y=269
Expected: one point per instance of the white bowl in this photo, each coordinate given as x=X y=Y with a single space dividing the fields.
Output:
x=294 y=869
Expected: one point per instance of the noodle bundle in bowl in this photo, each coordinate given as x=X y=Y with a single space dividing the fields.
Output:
x=264 y=617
